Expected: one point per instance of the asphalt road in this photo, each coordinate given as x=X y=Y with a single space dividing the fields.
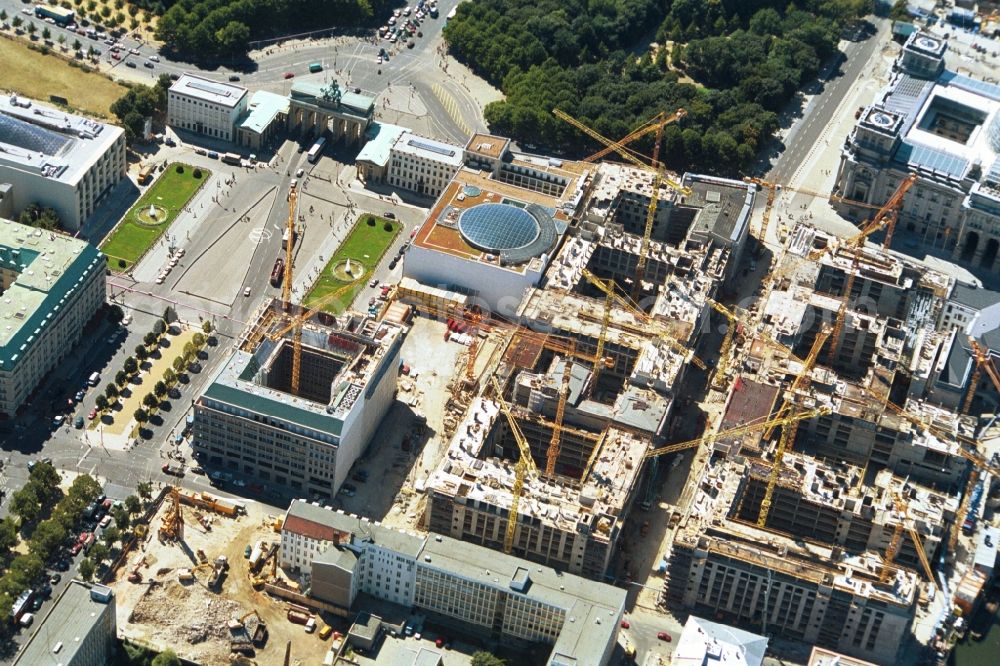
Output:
x=353 y=61
x=805 y=133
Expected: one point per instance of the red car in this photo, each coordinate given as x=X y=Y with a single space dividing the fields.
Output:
x=664 y=636
x=289 y=75
x=625 y=624
x=75 y=548
x=116 y=55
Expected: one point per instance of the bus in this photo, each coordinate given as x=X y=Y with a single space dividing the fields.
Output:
x=316 y=150
x=232 y=158
x=315 y=67
x=60 y=15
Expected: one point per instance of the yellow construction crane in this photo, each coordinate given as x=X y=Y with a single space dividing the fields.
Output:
x=552 y=455
x=897 y=537
x=608 y=287
x=980 y=464
x=294 y=324
x=788 y=430
x=739 y=431
x=885 y=217
x=659 y=177
x=286 y=287
x=774 y=188
x=525 y=465
x=722 y=366
x=984 y=361
x=173 y=523
x=657 y=123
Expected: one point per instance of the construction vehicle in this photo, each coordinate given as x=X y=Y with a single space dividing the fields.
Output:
x=258 y=635
x=219 y=567
x=659 y=178
x=202 y=557
x=172 y=528
x=134 y=576
x=258 y=581
x=209 y=502
x=788 y=429
x=525 y=465
x=298 y=617
x=884 y=218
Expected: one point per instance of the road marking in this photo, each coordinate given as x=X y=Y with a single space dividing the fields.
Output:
x=451 y=107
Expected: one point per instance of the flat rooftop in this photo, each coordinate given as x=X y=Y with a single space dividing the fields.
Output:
x=510 y=226
x=592 y=609
x=354 y=359
x=381 y=138
x=429 y=149
x=264 y=106
x=487 y=145
x=50 y=268
x=71 y=617
x=220 y=93
x=49 y=142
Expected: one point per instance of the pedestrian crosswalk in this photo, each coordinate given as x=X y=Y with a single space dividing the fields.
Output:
x=451 y=106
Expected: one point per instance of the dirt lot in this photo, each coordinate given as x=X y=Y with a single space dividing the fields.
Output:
x=390 y=495
x=190 y=618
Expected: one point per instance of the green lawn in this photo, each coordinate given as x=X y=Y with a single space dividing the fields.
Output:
x=365 y=244
x=172 y=191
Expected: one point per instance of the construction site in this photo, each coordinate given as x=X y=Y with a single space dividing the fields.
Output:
x=832 y=415
x=192 y=586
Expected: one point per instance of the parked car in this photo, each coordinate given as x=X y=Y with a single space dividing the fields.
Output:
x=105 y=521
x=373 y=283
x=57 y=420
x=92 y=414
x=664 y=636
x=389 y=214
x=80 y=396
x=129 y=63
x=78 y=422
x=289 y=75
x=234 y=77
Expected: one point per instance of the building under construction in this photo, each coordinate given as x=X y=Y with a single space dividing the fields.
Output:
x=589 y=378
x=831 y=532
x=253 y=422
x=799 y=588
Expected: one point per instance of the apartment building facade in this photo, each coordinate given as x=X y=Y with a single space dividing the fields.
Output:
x=752 y=585
x=473 y=589
x=248 y=423
x=52 y=286
x=422 y=165
x=203 y=106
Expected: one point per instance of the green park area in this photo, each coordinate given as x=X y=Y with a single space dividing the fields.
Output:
x=152 y=215
x=352 y=264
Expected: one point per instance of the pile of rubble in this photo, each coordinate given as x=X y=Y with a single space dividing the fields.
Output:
x=185 y=614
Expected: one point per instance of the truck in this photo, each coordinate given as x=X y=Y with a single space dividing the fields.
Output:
x=146 y=173
x=60 y=15
x=21 y=606
x=298 y=617
x=173 y=469
x=232 y=158
x=277 y=272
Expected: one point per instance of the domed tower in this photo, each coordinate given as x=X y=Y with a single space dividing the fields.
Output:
x=923 y=56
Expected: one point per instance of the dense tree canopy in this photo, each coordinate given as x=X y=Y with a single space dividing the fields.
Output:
x=730 y=64
x=214 y=28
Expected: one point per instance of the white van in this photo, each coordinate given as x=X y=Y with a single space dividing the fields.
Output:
x=94 y=379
